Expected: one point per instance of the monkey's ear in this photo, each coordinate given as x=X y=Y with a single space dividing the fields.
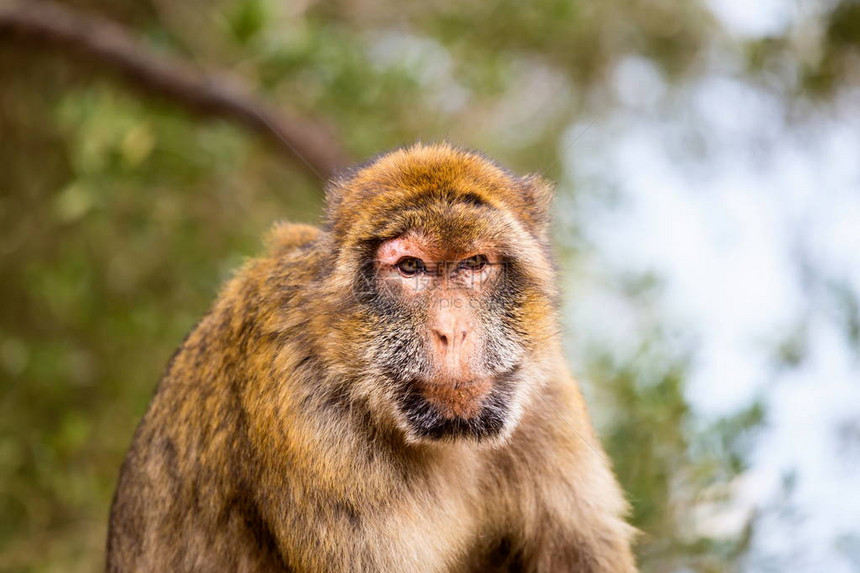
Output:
x=334 y=191
x=537 y=195
x=337 y=194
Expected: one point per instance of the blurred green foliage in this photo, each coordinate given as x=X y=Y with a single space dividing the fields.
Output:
x=120 y=216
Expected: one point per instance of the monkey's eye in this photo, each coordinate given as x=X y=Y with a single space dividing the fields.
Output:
x=410 y=266
x=475 y=263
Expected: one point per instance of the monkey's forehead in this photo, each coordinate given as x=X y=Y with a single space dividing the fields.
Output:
x=424 y=176
x=432 y=250
x=406 y=173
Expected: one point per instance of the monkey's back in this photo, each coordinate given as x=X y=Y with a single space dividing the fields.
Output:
x=186 y=488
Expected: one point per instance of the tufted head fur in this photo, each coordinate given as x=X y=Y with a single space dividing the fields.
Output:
x=444 y=204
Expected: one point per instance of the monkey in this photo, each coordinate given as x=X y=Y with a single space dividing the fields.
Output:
x=386 y=392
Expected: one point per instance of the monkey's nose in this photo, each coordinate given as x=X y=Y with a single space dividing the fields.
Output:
x=449 y=337
x=453 y=340
x=453 y=353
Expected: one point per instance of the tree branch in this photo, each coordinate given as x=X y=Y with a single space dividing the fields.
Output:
x=309 y=144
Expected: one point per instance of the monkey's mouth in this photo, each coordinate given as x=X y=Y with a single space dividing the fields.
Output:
x=454 y=399
x=479 y=408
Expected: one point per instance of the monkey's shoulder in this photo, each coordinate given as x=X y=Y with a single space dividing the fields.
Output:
x=285 y=236
x=274 y=281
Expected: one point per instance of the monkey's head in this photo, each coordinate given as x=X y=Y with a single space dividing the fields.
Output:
x=452 y=299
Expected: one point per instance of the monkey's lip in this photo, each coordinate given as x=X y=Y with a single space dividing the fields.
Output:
x=454 y=398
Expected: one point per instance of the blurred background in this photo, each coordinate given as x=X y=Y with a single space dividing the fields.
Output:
x=707 y=155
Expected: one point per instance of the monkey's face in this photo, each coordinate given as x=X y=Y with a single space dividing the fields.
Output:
x=447 y=339
x=455 y=296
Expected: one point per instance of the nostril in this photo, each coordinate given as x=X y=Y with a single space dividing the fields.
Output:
x=443 y=339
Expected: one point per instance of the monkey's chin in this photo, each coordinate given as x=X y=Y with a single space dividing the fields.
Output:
x=485 y=409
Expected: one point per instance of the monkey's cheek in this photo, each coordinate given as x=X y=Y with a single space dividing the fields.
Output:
x=457 y=400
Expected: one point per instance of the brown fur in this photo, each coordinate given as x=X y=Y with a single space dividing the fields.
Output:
x=272 y=442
